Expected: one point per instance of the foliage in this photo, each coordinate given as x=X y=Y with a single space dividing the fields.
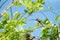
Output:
x=50 y=31
x=9 y=27
x=32 y=6
x=13 y=29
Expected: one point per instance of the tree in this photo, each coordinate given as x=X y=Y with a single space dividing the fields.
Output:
x=13 y=28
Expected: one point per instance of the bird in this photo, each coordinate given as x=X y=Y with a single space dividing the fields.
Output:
x=38 y=20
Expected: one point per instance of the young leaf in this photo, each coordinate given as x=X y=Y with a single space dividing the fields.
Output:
x=16 y=15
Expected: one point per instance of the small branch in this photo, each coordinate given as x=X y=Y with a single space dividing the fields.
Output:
x=11 y=13
x=3 y=3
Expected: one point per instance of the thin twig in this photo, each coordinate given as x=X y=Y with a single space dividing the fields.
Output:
x=6 y=8
x=11 y=12
x=3 y=3
x=52 y=11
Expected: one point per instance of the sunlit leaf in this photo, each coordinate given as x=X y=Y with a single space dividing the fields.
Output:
x=16 y=15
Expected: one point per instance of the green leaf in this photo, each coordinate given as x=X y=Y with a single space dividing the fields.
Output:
x=57 y=18
x=46 y=21
x=21 y=22
x=28 y=31
x=37 y=24
x=1 y=26
x=25 y=11
x=12 y=22
x=16 y=15
x=6 y=16
x=17 y=3
x=22 y=19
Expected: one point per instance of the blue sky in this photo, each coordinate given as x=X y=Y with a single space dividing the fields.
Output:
x=5 y=4
x=55 y=4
